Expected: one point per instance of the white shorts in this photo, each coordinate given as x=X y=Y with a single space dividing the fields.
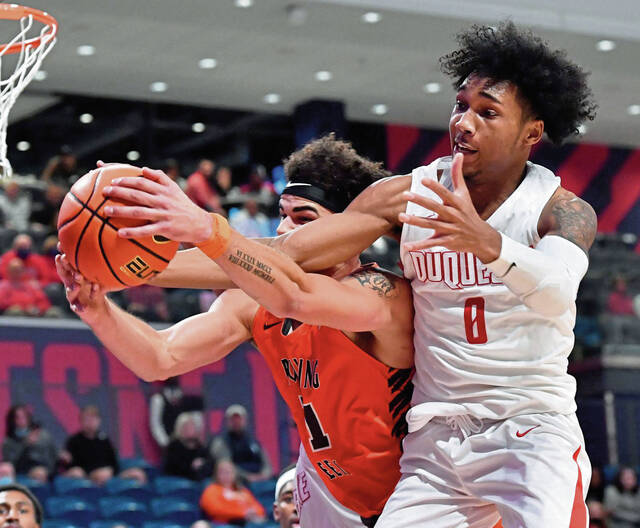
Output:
x=317 y=508
x=531 y=470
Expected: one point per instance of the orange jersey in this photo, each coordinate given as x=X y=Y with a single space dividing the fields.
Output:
x=349 y=407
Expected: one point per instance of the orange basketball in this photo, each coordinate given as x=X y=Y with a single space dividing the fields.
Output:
x=90 y=239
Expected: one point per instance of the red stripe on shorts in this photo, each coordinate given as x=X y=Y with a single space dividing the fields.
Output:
x=579 y=511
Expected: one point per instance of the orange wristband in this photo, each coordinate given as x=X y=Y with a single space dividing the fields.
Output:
x=217 y=243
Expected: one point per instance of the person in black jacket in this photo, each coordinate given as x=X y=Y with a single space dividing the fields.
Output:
x=186 y=455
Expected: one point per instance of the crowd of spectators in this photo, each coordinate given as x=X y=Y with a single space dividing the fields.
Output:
x=614 y=504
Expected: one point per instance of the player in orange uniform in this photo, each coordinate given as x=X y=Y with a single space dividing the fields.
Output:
x=344 y=370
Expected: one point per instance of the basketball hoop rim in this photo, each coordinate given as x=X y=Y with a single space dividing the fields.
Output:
x=16 y=12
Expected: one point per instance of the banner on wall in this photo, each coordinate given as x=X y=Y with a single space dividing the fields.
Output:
x=57 y=367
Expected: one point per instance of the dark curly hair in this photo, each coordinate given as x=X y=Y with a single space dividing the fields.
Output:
x=554 y=88
x=334 y=166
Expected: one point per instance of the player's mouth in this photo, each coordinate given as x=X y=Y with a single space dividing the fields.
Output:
x=463 y=148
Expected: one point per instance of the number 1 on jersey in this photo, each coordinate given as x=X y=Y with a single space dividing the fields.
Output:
x=474 y=324
x=319 y=439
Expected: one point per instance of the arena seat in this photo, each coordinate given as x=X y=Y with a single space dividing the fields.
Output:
x=135 y=512
x=175 y=511
x=42 y=490
x=74 y=510
x=130 y=488
x=177 y=487
x=77 y=487
x=139 y=462
x=53 y=523
x=164 y=524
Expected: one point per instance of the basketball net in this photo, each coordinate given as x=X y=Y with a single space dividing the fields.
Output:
x=29 y=53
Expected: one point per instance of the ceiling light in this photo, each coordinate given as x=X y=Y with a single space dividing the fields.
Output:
x=244 y=3
x=606 y=45
x=133 y=155
x=86 y=50
x=23 y=146
x=371 y=17
x=634 y=109
x=432 y=88
x=158 y=86
x=86 y=118
x=207 y=64
x=323 y=75
x=41 y=75
x=272 y=98
x=198 y=127
x=583 y=129
x=379 y=109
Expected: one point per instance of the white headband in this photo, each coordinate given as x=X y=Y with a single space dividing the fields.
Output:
x=284 y=479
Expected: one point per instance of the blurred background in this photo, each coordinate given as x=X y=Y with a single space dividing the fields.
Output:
x=217 y=93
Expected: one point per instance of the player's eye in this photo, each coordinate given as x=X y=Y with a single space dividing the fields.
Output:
x=490 y=113
x=460 y=105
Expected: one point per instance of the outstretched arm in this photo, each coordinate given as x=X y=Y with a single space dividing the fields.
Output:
x=158 y=354
x=333 y=239
x=191 y=268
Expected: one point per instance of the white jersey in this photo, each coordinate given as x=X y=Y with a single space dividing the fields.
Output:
x=479 y=350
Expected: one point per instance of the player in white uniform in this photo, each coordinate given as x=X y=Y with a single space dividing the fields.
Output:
x=495 y=250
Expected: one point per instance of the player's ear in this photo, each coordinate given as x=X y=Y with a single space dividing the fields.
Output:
x=276 y=512
x=533 y=131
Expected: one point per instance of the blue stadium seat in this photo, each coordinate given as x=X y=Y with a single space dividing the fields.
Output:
x=107 y=524
x=78 y=488
x=135 y=512
x=139 y=462
x=58 y=524
x=263 y=488
x=177 y=487
x=42 y=490
x=74 y=510
x=130 y=488
x=175 y=511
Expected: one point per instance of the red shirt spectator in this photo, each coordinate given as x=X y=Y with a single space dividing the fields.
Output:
x=34 y=266
x=50 y=250
x=200 y=187
x=21 y=295
x=620 y=302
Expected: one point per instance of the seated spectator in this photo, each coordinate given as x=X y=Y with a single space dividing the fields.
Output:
x=237 y=445
x=622 y=500
x=20 y=296
x=620 y=302
x=15 y=207
x=250 y=222
x=284 y=507
x=223 y=180
x=201 y=187
x=147 y=302
x=92 y=455
x=259 y=188
x=27 y=446
x=49 y=252
x=44 y=214
x=62 y=169
x=227 y=501
x=34 y=265
x=172 y=169
x=165 y=407
x=187 y=455
x=597 y=514
x=19 y=508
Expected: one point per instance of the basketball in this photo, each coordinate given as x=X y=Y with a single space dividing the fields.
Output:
x=90 y=239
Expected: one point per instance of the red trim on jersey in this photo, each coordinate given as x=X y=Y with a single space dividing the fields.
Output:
x=579 y=515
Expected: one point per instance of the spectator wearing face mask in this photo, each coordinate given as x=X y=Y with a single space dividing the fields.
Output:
x=22 y=296
x=33 y=264
x=15 y=207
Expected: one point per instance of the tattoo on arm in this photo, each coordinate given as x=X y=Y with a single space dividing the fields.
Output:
x=575 y=220
x=252 y=265
x=380 y=283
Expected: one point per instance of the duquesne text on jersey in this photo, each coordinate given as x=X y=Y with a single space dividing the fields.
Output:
x=456 y=270
x=302 y=371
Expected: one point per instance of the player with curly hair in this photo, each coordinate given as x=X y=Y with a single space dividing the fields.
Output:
x=495 y=250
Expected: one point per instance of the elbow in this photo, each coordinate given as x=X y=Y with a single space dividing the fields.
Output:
x=550 y=301
x=162 y=368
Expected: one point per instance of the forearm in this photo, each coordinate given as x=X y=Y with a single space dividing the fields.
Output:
x=266 y=275
x=137 y=345
x=547 y=278
x=333 y=239
x=190 y=268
